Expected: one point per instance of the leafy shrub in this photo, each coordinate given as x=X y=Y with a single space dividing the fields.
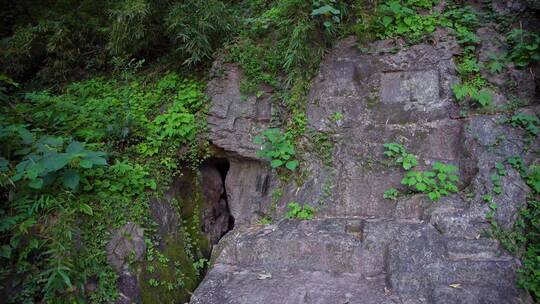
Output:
x=57 y=187
x=278 y=148
x=524 y=47
x=400 y=156
x=327 y=10
x=436 y=183
x=391 y=194
x=530 y=123
x=300 y=212
x=482 y=97
x=397 y=19
x=60 y=40
x=44 y=164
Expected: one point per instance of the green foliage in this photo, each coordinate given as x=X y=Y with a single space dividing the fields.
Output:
x=337 y=116
x=533 y=178
x=524 y=47
x=482 y=97
x=305 y=212
x=436 y=183
x=131 y=27
x=328 y=12
x=198 y=28
x=469 y=65
x=391 y=194
x=43 y=163
x=400 y=156
x=265 y=220
x=63 y=198
x=529 y=123
x=524 y=241
x=278 y=148
x=60 y=40
x=397 y=18
x=496 y=63
x=496 y=178
x=200 y=265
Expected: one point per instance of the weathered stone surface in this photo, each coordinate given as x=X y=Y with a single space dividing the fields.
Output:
x=510 y=6
x=356 y=261
x=248 y=185
x=235 y=119
x=126 y=245
x=511 y=81
x=362 y=248
x=128 y=286
x=164 y=215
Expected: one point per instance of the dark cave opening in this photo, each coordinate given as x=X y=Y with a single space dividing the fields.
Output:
x=217 y=218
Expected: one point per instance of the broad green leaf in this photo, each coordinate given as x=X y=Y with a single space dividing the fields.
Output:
x=291 y=165
x=36 y=183
x=5 y=251
x=86 y=163
x=387 y=20
x=25 y=135
x=75 y=147
x=55 y=162
x=434 y=196
x=85 y=208
x=325 y=10
x=71 y=179
x=421 y=187
x=276 y=163
x=152 y=184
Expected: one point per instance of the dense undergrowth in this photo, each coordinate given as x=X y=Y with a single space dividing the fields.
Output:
x=93 y=123
x=71 y=161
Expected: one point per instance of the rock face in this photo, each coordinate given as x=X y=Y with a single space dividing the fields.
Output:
x=362 y=248
x=235 y=119
x=127 y=246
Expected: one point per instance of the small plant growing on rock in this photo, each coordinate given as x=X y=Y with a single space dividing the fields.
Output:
x=200 y=264
x=391 y=194
x=265 y=220
x=278 y=148
x=400 y=156
x=481 y=97
x=300 y=212
x=528 y=122
x=525 y=47
x=436 y=183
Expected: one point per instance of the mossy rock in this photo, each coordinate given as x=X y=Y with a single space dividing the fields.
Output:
x=175 y=278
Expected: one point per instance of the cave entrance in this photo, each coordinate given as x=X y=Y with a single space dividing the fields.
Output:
x=216 y=216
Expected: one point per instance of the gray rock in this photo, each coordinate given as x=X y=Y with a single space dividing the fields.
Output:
x=165 y=216
x=126 y=245
x=362 y=248
x=234 y=119
x=128 y=286
x=510 y=6
x=248 y=185
x=511 y=82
